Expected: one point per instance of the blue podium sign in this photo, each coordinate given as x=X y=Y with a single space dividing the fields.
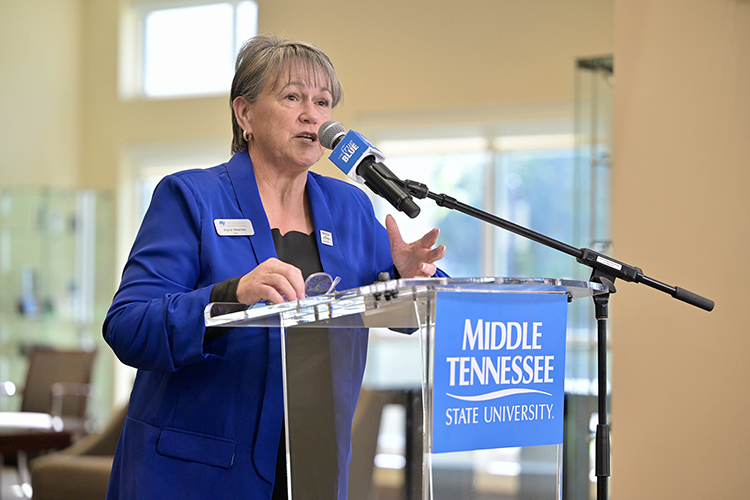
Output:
x=499 y=370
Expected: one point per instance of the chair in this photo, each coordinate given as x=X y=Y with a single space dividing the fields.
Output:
x=57 y=383
x=53 y=404
x=365 y=430
x=365 y=433
x=82 y=470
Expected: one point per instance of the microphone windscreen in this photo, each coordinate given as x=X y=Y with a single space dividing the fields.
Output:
x=330 y=133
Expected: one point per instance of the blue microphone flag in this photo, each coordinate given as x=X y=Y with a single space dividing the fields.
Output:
x=350 y=152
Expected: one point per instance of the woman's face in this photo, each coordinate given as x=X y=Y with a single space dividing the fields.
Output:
x=285 y=118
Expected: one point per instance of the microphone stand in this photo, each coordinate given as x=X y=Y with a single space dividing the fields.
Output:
x=605 y=270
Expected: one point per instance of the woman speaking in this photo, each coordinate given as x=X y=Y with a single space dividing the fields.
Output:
x=206 y=411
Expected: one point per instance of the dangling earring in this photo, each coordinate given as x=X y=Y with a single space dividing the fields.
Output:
x=246 y=136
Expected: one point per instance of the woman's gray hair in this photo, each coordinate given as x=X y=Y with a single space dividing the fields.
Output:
x=267 y=56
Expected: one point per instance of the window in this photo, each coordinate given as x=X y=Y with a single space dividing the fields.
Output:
x=536 y=181
x=454 y=166
x=183 y=48
x=531 y=180
x=528 y=180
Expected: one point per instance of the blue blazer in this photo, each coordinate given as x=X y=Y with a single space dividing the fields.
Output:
x=204 y=419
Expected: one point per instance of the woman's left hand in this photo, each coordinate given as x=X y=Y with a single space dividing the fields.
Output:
x=417 y=259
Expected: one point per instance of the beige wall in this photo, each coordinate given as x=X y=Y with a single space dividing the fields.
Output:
x=681 y=212
x=40 y=92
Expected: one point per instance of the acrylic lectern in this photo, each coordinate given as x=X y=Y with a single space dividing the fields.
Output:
x=493 y=370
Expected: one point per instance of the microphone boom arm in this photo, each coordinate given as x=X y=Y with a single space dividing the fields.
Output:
x=602 y=265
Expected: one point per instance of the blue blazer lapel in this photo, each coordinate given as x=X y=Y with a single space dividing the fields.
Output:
x=331 y=256
x=242 y=176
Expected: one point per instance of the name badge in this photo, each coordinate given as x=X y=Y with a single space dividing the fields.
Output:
x=326 y=238
x=234 y=227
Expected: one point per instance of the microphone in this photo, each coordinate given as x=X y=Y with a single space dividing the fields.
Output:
x=362 y=162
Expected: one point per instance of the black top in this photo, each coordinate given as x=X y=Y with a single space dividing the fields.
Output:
x=300 y=250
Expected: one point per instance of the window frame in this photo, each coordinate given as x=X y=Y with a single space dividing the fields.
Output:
x=132 y=45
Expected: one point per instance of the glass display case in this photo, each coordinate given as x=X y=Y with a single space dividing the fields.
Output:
x=594 y=86
x=56 y=281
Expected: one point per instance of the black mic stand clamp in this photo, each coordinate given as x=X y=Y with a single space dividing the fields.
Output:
x=605 y=271
x=383 y=182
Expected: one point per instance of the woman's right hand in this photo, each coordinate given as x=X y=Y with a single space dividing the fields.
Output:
x=272 y=280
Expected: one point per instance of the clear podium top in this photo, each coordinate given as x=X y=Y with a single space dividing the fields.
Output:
x=389 y=304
